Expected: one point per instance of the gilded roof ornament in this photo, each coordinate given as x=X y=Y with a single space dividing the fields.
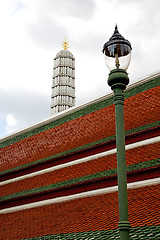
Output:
x=65 y=44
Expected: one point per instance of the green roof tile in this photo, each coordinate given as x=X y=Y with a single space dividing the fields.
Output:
x=139 y=233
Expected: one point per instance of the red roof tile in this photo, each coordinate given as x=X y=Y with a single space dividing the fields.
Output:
x=85 y=214
x=141 y=109
x=74 y=171
x=136 y=155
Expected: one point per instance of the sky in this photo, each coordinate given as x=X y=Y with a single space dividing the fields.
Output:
x=31 y=35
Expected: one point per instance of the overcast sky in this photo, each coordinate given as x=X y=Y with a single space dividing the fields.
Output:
x=31 y=35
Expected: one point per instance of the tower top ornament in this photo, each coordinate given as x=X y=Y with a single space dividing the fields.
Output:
x=65 y=44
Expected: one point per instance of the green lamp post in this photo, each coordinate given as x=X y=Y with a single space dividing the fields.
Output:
x=117 y=56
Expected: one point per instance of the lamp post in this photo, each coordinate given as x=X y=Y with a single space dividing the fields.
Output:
x=117 y=56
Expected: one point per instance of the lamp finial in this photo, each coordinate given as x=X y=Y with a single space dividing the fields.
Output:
x=116 y=29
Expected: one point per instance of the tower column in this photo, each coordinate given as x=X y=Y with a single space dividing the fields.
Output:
x=63 y=87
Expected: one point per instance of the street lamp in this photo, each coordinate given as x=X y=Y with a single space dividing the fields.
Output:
x=117 y=56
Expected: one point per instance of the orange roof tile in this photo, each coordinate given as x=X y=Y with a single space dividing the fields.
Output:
x=80 y=215
x=139 y=110
x=133 y=156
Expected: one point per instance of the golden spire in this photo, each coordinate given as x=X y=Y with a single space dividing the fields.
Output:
x=65 y=44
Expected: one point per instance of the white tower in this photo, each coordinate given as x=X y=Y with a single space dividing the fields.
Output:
x=63 y=87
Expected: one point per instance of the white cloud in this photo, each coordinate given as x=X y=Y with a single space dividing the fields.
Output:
x=11 y=121
x=31 y=35
x=11 y=124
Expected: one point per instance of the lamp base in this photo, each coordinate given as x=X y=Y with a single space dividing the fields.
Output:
x=118 y=78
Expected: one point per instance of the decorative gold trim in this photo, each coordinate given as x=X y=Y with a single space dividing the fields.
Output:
x=65 y=44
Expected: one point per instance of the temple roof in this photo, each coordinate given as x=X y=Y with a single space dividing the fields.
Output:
x=59 y=177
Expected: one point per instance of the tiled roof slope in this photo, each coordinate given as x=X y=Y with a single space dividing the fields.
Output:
x=93 y=217
x=136 y=158
x=88 y=126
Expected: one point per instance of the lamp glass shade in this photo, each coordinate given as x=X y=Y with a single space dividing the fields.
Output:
x=120 y=52
x=117 y=51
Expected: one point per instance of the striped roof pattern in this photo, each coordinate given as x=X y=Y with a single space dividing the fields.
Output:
x=95 y=216
x=136 y=158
